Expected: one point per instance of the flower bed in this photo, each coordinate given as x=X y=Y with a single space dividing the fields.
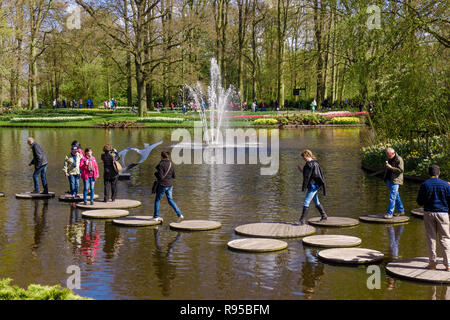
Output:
x=416 y=163
x=344 y=120
x=160 y=119
x=265 y=122
x=51 y=119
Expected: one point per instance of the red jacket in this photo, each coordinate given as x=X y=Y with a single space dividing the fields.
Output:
x=85 y=168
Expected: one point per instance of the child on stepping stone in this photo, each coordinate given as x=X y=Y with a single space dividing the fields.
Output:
x=89 y=173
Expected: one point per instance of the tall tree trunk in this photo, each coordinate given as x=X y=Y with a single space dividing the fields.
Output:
x=128 y=63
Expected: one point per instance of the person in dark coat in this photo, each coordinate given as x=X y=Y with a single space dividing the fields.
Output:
x=40 y=165
x=110 y=175
x=313 y=180
x=165 y=172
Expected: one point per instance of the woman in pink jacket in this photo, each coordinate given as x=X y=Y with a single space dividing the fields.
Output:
x=89 y=173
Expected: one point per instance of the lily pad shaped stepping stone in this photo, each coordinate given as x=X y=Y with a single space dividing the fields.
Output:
x=29 y=195
x=415 y=269
x=68 y=198
x=105 y=213
x=334 y=222
x=195 y=225
x=418 y=212
x=379 y=218
x=2 y=194
x=332 y=241
x=137 y=221
x=275 y=230
x=351 y=255
x=118 y=204
x=257 y=245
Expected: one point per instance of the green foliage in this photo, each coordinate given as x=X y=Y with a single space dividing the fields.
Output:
x=161 y=119
x=35 y=292
x=416 y=162
x=344 y=120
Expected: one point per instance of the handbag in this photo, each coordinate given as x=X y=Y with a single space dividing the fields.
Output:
x=156 y=184
x=116 y=165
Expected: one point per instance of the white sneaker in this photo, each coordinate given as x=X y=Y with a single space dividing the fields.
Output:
x=180 y=218
x=159 y=219
x=388 y=216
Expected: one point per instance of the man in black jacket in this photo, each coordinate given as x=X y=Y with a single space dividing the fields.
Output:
x=165 y=172
x=40 y=165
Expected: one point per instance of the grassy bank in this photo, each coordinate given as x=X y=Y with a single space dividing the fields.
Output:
x=35 y=292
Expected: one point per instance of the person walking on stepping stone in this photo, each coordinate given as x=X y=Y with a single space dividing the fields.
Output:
x=434 y=196
x=110 y=175
x=393 y=176
x=89 y=173
x=165 y=172
x=40 y=165
x=313 y=180
x=72 y=170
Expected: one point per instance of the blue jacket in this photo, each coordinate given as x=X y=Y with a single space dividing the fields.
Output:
x=434 y=195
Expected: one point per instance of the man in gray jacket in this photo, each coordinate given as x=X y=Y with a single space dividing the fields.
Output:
x=393 y=176
x=40 y=165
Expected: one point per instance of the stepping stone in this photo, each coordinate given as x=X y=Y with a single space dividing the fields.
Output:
x=257 y=245
x=29 y=195
x=275 y=230
x=351 y=255
x=68 y=198
x=379 y=218
x=418 y=212
x=334 y=222
x=118 y=204
x=2 y=194
x=137 y=221
x=195 y=225
x=125 y=176
x=332 y=241
x=415 y=269
x=105 y=213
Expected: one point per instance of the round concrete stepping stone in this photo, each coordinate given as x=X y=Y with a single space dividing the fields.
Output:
x=257 y=245
x=68 y=198
x=379 y=218
x=332 y=241
x=2 y=194
x=118 y=204
x=351 y=255
x=418 y=212
x=105 y=213
x=195 y=225
x=415 y=269
x=29 y=195
x=275 y=230
x=334 y=222
x=137 y=221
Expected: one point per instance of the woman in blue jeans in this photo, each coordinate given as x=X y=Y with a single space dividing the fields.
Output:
x=313 y=180
x=165 y=172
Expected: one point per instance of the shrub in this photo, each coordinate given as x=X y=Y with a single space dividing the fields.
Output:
x=160 y=119
x=35 y=292
x=344 y=120
x=51 y=119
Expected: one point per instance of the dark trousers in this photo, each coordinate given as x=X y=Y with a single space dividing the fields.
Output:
x=111 y=183
x=42 y=171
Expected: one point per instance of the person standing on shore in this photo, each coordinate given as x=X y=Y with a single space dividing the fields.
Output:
x=313 y=179
x=40 y=165
x=72 y=170
x=89 y=173
x=434 y=196
x=165 y=172
x=393 y=176
x=110 y=175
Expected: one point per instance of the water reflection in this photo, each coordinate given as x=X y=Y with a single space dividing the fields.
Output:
x=312 y=270
x=395 y=233
x=164 y=262
x=113 y=240
x=440 y=292
x=40 y=222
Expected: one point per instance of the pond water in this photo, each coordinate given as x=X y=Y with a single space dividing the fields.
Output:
x=40 y=239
